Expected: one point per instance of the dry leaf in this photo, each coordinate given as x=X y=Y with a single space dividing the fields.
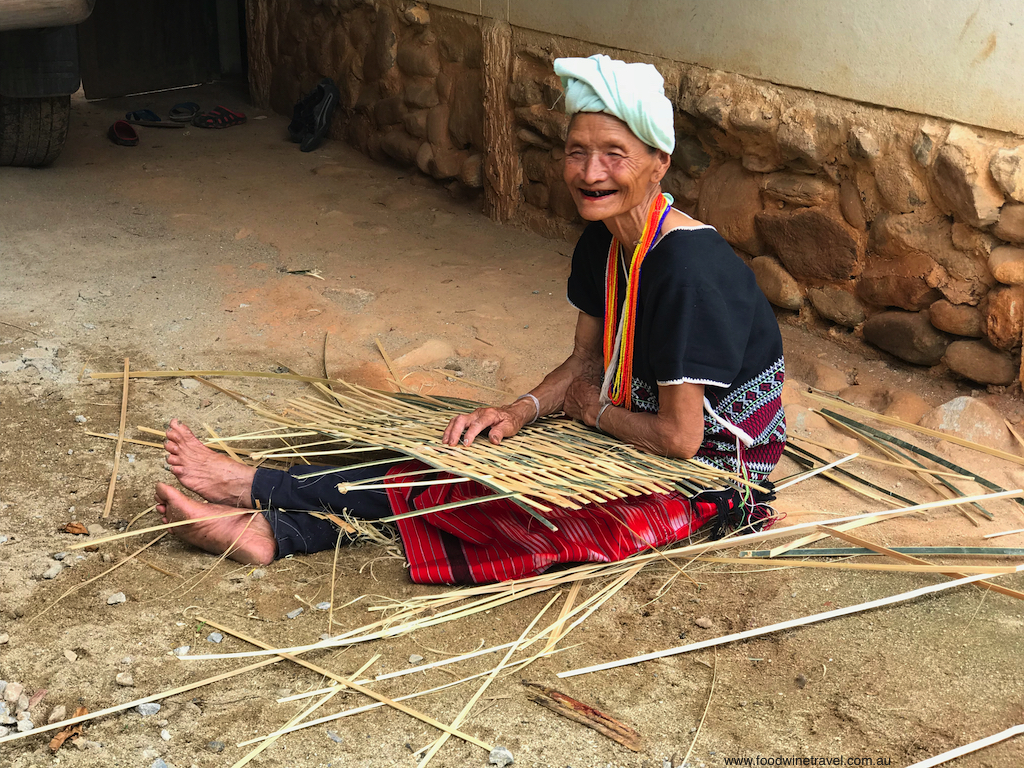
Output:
x=76 y=528
x=72 y=730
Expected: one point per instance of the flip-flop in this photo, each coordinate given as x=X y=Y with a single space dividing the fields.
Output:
x=183 y=112
x=142 y=116
x=218 y=117
x=122 y=133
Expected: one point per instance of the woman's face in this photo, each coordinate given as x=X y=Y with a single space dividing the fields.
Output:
x=609 y=171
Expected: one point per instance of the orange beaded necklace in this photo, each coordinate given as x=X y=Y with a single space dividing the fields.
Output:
x=620 y=388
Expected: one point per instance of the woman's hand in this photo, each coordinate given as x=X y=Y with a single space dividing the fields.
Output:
x=583 y=401
x=502 y=422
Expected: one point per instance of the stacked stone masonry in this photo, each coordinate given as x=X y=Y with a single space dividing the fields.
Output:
x=906 y=229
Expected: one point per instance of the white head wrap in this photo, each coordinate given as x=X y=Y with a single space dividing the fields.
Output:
x=634 y=93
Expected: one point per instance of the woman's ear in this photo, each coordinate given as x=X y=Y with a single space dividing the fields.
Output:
x=661 y=165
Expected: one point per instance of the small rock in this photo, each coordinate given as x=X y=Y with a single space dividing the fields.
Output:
x=958 y=319
x=973 y=420
x=22 y=705
x=960 y=172
x=215 y=746
x=71 y=656
x=258 y=574
x=147 y=709
x=1011 y=223
x=124 y=678
x=500 y=756
x=214 y=637
x=333 y=736
x=117 y=597
x=181 y=650
x=159 y=763
x=189 y=384
x=415 y=658
x=24 y=725
x=57 y=714
x=81 y=419
x=909 y=336
x=165 y=735
x=12 y=692
x=1007 y=264
x=294 y=614
x=58 y=556
x=4 y=638
x=801 y=681
x=89 y=326
x=323 y=606
x=83 y=744
x=778 y=286
x=4 y=731
x=95 y=529
x=704 y=623
x=53 y=571
x=977 y=361
x=1007 y=168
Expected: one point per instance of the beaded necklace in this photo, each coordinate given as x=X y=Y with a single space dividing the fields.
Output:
x=622 y=330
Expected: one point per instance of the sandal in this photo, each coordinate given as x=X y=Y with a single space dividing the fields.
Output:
x=183 y=112
x=142 y=116
x=122 y=133
x=218 y=117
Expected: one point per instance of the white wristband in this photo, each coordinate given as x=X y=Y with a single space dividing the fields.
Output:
x=600 y=413
x=536 y=404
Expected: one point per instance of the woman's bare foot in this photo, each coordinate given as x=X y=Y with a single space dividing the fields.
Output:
x=215 y=477
x=249 y=536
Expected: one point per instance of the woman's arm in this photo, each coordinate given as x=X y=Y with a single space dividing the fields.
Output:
x=676 y=430
x=585 y=363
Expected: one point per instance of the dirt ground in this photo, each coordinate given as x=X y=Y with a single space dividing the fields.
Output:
x=176 y=254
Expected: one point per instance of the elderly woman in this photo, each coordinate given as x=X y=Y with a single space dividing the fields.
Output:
x=676 y=352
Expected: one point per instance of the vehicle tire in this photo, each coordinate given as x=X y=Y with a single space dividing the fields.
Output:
x=32 y=131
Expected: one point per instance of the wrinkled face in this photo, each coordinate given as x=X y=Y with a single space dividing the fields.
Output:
x=609 y=171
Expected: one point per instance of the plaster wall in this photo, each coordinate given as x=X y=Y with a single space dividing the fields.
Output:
x=947 y=58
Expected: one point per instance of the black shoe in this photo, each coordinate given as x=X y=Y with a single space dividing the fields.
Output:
x=302 y=116
x=323 y=111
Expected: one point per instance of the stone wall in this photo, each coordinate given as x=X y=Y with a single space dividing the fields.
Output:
x=905 y=229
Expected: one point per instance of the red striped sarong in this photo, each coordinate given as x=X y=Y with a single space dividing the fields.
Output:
x=498 y=541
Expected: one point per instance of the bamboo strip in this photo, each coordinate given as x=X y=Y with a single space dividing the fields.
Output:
x=902 y=597
x=846 y=566
x=355 y=687
x=130 y=704
x=120 y=442
x=886 y=494
x=462 y=380
x=152 y=529
x=460 y=718
x=967 y=749
x=387 y=362
x=914 y=449
x=874 y=460
x=896 y=555
x=892 y=421
x=114 y=567
x=126 y=440
x=910 y=464
x=298 y=718
x=707 y=706
x=1003 y=533
x=556 y=630
x=818 y=471
x=376 y=705
x=228 y=374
